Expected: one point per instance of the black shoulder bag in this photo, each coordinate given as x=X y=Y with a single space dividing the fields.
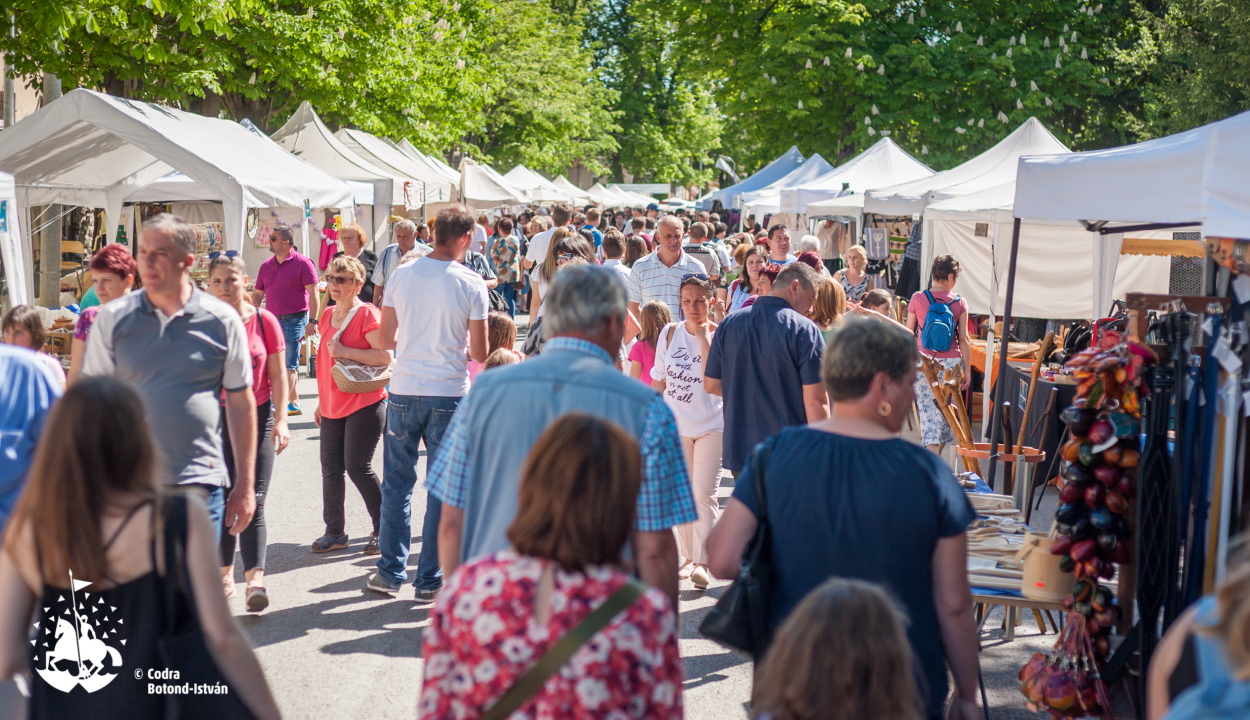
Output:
x=739 y=620
x=182 y=645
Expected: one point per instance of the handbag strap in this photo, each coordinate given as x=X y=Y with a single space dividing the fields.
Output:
x=175 y=535
x=532 y=681
x=350 y=314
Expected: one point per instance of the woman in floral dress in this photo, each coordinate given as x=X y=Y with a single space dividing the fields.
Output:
x=499 y=614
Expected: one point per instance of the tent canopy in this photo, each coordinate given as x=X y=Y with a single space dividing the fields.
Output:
x=882 y=165
x=634 y=198
x=1197 y=176
x=11 y=246
x=539 y=188
x=609 y=197
x=388 y=157
x=577 y=194
x=770 y=173
x=306 y=137
x=88 y=148
x=989 y=169
x=768 y=199
x=481 y=185
x=438 y=165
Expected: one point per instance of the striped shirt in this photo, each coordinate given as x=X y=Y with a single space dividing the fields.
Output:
x=388 y=260
x=650 y=279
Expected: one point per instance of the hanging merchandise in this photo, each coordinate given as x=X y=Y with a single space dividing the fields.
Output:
x=1100 y=468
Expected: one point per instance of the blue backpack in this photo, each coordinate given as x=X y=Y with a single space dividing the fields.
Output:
x=938 y=332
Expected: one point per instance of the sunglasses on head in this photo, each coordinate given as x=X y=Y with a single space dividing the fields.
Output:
x=227 y=253
x=339 y=279
x=696 y=276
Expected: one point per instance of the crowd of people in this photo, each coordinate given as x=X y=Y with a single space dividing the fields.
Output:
x=571 y=482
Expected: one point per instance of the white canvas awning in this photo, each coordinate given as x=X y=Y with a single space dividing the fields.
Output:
x=989 y=169
x=388 y=157
x=882 y=165
x=579 y=196
x=432 y=161
x=1056 y=267
x=769 y=174
x=305 y=136
x=1199 y=176
x=88 y=148
x=631 y=197
x=16 y=271
x=539 y=188
x=768 y=198
x=482 y=186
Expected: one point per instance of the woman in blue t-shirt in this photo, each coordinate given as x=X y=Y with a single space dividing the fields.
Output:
x=848 y=498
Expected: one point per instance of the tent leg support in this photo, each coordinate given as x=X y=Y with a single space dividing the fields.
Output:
x=999 y=384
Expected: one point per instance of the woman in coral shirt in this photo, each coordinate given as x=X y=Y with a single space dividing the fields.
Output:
x=351 y=423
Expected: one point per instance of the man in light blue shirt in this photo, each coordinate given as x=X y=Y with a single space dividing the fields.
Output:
x=476 y=473
x=26 y=397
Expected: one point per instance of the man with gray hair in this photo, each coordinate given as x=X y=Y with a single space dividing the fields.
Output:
x=180 y=347
x=405 y=240
x=765 y=362
x=658 y=276
x=477 y=470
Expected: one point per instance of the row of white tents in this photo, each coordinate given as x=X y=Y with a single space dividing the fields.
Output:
x=967 y=212
x=92 y=149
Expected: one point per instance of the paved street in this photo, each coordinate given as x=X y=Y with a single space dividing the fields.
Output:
x=333 y=650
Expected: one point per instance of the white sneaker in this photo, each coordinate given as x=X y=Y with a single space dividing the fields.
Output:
x=685 y=570
x=700 y=577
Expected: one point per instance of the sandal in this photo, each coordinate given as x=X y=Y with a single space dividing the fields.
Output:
x=257 y=599
x=371 y=547
x=327 y=543
x=227 y=585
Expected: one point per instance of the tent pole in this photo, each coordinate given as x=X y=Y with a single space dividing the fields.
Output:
x=1000 y=381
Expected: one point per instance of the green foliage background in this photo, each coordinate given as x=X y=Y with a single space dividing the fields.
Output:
x=656 y=89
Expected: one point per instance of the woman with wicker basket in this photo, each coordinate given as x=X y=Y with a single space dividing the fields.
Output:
x=352 y=374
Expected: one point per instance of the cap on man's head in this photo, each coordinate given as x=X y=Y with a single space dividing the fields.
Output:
x=653 y=206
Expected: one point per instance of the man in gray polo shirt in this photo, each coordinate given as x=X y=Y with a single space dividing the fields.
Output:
x=180 y=347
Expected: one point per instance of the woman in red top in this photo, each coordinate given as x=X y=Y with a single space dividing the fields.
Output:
x=351 y=423
x=499 y=614
x=227 y=281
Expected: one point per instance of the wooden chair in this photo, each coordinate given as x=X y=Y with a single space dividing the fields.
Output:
x=73 y=247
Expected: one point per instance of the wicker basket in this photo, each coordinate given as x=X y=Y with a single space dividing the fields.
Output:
x=353 y=377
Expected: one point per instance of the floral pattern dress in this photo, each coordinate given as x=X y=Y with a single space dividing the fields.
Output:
x=483 y=636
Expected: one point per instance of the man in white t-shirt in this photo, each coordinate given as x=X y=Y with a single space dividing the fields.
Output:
x=560 y=216
x=434 y=318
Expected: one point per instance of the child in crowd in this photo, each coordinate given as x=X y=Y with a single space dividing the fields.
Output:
x=500 y=335
x=653 y=316
x=877 y=300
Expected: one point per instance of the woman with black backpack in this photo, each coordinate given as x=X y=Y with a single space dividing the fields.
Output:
x=939 y=318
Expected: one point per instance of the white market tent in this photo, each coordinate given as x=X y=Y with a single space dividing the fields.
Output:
x=11 y=245
x=1058 y=275
x=768 y=198
x=438 y=165
x=578 y=195
x=1198 y=177
x=305 y=136
x=388 y=157
x=539 y=188
x=634 y=198
x=481 y=186
x=882 y=165
x=989 y=169
x=767 y=175
x=608 y=197
x=88 y=148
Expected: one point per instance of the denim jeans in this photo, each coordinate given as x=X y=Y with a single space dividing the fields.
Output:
x=293 y=333
x=508 y=290
x=215 y=500
x=409 y=420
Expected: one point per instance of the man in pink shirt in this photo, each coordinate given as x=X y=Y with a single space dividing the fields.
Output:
x=288 y=281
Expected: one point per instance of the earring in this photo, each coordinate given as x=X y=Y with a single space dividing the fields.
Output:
x=884 y=409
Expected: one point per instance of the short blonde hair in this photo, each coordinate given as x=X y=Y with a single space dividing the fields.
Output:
x=350 y=266
x=858 y=250
x=830 y=303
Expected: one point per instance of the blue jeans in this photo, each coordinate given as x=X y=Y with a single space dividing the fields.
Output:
x=215 y=500
x=409 y=420
x=293 y=333
x=508 y=290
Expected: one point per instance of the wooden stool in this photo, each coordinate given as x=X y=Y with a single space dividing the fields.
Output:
x=1011 y=604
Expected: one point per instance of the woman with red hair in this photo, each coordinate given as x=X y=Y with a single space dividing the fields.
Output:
x=112 y=275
